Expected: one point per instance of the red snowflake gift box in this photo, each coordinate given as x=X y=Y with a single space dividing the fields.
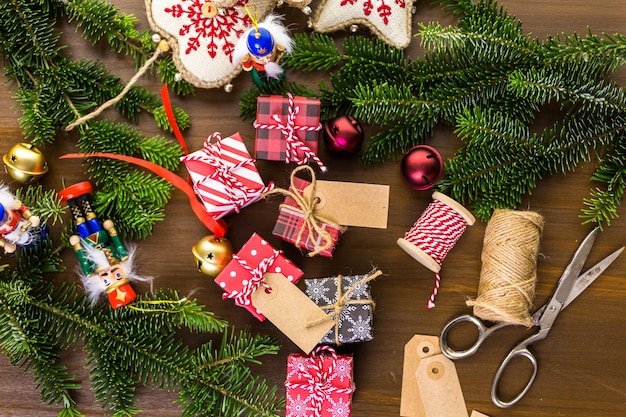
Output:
x=319 y=384
x=244 y=273
x=309 y=232
x=287 y=129
x=224 y=176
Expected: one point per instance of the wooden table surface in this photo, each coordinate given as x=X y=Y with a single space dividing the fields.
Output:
x=581 y=366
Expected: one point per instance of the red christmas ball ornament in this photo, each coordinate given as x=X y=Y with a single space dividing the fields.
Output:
x=421 y=167
x=343 y=135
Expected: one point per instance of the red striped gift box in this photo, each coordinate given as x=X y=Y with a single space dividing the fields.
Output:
x=224 y=175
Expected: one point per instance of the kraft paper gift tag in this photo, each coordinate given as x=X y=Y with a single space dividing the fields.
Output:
x=477 y=414
x=292 y=311
x=352 y=203
x=430 y=384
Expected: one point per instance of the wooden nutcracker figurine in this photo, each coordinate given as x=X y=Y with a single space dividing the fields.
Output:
x=18 y=226
x=260 y=49
x=106 y=264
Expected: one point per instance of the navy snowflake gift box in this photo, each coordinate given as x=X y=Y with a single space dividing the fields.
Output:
x=348 y=300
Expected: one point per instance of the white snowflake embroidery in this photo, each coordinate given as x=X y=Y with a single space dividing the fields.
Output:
x=296 y=407
x=338 y=408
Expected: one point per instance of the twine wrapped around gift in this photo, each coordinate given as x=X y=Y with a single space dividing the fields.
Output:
x=307 y=208
x=318 y=381
x=238 y=193
x=507 y=280
x=343 y=299
x=289 y=129
x=243 y=298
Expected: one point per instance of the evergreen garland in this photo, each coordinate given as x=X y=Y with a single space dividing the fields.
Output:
x=489 y=80
x=124 y=347
x=136 y=344
x=54 y=90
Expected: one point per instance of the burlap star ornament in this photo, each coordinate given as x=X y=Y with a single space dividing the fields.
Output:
x=390 y=20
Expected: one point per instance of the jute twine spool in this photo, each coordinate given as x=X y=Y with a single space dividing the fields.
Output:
x=434 y=234
x=509 y=267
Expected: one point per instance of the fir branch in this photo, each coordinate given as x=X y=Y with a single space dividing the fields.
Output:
x=98 y=20
x=54 y=90
x=44 y=203
x=182 y=118
x=609 y=50
x=487 y=63
x=320 y=52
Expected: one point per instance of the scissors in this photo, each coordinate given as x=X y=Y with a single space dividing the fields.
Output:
x=569 y=286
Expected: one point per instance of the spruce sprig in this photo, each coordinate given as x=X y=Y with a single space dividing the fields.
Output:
x=136 y=344
x=489 y=80
x=54 y=90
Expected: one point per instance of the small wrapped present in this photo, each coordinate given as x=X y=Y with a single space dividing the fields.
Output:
x=319 y=384
x=244 y=273
x=349 y=301
x=287 y=129
x=298 y=223
x=224 y=176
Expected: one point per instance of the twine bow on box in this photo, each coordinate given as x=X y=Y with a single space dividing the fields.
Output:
x=319 y=382
x=238 y=193
x=306 y=206
x=289 y=129
x=343 y=299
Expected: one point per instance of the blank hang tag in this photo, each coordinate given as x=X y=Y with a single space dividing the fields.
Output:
x=439 y=387
x=289 y=309
x=351 y=203
x=416 y=349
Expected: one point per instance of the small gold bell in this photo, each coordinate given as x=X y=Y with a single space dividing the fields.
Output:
x=25 y=163
x=212 y=254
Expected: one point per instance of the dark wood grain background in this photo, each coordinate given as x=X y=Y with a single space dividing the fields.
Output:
x=581 y=366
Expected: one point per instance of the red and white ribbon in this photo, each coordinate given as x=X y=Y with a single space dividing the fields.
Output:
x=319 y=381
x=293 y=142
x=243 y=298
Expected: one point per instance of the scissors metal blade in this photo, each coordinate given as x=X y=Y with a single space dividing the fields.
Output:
x=586 y=279
x=582 y=282
x=547 y=314
x=570 y=275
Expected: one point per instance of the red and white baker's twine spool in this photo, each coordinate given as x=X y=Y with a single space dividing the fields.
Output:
x=318 y=381
x=434 y=234
x=289 y=129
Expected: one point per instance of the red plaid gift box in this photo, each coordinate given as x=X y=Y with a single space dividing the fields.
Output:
x=292 y=227
x=244 y=273
x=319 y=384
x=287 y=129
x=224 y=176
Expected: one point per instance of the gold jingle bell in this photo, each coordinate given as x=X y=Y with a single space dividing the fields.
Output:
x=212 y=254
x=25 y=163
